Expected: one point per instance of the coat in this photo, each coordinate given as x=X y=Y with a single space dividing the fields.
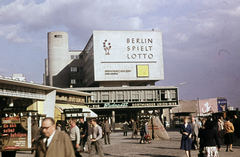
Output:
x=83 y=127
x=228 y=126
x=35 y=131
x=125 y=127
x=106 y=127
x=134 y=125
x=60 y=146
x=186 y=142
x=195 y=128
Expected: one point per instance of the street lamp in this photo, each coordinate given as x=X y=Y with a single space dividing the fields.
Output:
x=182 y=83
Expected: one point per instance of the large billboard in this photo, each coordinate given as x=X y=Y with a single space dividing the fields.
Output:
x=14 y=133
x=128 y=55
x=208 y=106
x=222 y=104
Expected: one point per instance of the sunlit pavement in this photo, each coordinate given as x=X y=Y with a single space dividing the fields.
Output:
x=126 y=146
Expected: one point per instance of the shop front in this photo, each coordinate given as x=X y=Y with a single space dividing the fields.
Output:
x=21 y=104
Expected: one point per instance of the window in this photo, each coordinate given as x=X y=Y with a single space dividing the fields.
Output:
x=74 y=69
x=57 y=36
x=74 y=56
x=164 y=95
x=174 y=95
x=81 y=70
x=74 y=81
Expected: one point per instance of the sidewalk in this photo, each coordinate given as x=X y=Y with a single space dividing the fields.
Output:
x=122 y=146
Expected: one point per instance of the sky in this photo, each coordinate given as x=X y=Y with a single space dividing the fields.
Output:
x=201 y=38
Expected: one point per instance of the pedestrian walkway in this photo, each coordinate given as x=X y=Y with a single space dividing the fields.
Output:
x=125 y=146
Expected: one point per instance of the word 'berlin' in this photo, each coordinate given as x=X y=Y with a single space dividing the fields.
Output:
x=139 y=40
x=140 y=45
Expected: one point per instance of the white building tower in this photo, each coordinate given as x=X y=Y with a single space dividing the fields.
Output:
x=58 y=59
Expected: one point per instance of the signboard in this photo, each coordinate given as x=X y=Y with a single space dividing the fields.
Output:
x=131 y=105
x=23 y=92
x=208 y=106
x=73 y=110
x=222 y=104
x=128 y=55
x=115 y=104
x=70 y=99
x=14 y=133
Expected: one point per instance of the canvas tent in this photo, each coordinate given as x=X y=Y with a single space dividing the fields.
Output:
x=156 y=129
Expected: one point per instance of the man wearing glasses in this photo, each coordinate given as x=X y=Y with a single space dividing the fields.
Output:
x=53 y=142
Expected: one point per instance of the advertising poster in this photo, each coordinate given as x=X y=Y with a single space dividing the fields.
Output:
x=222 y=105
x=208 y=106
x=128 y=55
x=14 y=133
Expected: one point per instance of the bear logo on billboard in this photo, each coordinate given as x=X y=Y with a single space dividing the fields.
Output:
x=106 y=47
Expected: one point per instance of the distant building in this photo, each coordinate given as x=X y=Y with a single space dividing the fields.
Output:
x=196 y=108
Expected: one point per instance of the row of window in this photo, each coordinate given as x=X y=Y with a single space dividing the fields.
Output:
x=137 y=95
x=76 y=81
x=76 y=57
x=76 y=69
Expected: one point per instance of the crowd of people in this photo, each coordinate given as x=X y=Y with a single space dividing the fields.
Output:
x=207 y=135
x=141 y=127
x=50 y=140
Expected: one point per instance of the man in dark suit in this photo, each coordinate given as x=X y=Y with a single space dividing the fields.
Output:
x=195 y=130
x=83 y=127
x=134 y=128
x=106 y=131
x=34 y=132
x=53 y=142
x=125 y=128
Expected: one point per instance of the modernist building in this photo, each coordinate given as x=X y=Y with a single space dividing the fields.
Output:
x=119 y=68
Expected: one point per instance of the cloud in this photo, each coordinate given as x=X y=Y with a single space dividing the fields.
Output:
x=10 y=34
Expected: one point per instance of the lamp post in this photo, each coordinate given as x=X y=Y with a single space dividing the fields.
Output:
x=170 y=109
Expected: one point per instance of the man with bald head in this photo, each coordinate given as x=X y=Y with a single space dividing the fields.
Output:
x=53 y=142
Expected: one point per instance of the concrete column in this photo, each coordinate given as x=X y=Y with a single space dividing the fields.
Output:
x=237 y=113
x=170 y=117
x=11 y=102
x=113 y=120
x=49 y=104
x=29 y=135
x=161 y=115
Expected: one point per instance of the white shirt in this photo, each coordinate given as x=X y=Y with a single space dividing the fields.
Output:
x=186 y=125
x=49 y=139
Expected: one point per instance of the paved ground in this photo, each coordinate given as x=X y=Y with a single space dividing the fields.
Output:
x=122 y=146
